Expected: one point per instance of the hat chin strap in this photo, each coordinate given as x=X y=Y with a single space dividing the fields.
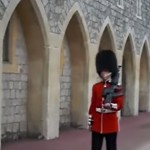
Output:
x=108 y=80
x=107 y=77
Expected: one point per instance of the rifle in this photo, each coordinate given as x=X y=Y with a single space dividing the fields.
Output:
x=109 y=92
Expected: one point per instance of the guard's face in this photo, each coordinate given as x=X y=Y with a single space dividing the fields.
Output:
x=106 y=75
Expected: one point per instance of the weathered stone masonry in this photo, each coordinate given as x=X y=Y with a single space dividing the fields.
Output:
x=15 y=91
x=98 y=15
x=95 y=13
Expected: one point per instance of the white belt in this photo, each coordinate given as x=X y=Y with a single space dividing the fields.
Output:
x=103 y=110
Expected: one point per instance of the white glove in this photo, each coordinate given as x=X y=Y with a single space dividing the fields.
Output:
x=90 y=121
x=107 y=105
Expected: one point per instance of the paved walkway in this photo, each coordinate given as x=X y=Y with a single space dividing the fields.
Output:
x=134 y=135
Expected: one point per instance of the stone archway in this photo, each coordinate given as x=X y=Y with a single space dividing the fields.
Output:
x=74 y=76
x=106 y=40
x=29 y=90
x=34 y=43
x=144 y=81
x=128 y=77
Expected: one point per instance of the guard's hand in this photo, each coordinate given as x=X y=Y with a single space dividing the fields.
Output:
x=90 y=122
x=107 y=105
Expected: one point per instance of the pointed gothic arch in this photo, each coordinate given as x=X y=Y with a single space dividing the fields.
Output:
x=107 y=38
x=40 y=36
x=75 y=40
x=144 y=87
x=128 y=75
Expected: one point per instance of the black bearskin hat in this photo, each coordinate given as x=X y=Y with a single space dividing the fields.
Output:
x=106 y=61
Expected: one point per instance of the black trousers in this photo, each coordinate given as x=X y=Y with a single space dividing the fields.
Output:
x=97 y=141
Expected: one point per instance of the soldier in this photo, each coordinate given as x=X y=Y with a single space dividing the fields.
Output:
x=107 y=100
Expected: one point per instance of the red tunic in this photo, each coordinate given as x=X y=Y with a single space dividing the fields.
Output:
x=104 y=122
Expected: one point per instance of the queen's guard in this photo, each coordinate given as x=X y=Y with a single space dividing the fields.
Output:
x=106 y=101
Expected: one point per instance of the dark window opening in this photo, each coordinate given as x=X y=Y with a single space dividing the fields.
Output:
x=6 y=46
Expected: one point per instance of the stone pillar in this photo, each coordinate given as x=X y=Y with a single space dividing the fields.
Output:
x=93 y=77
x=1 y=96
x=136 y=89
x=119 y=59
x=52 y=88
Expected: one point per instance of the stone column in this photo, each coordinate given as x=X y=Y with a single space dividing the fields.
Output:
x=136 y=89
x=93 y=77
x=1 y=96
x=52 y=88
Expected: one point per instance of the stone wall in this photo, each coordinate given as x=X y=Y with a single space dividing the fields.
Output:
x=65 y=86
x=95 y=13
x=3 y=6
x=15 y=91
